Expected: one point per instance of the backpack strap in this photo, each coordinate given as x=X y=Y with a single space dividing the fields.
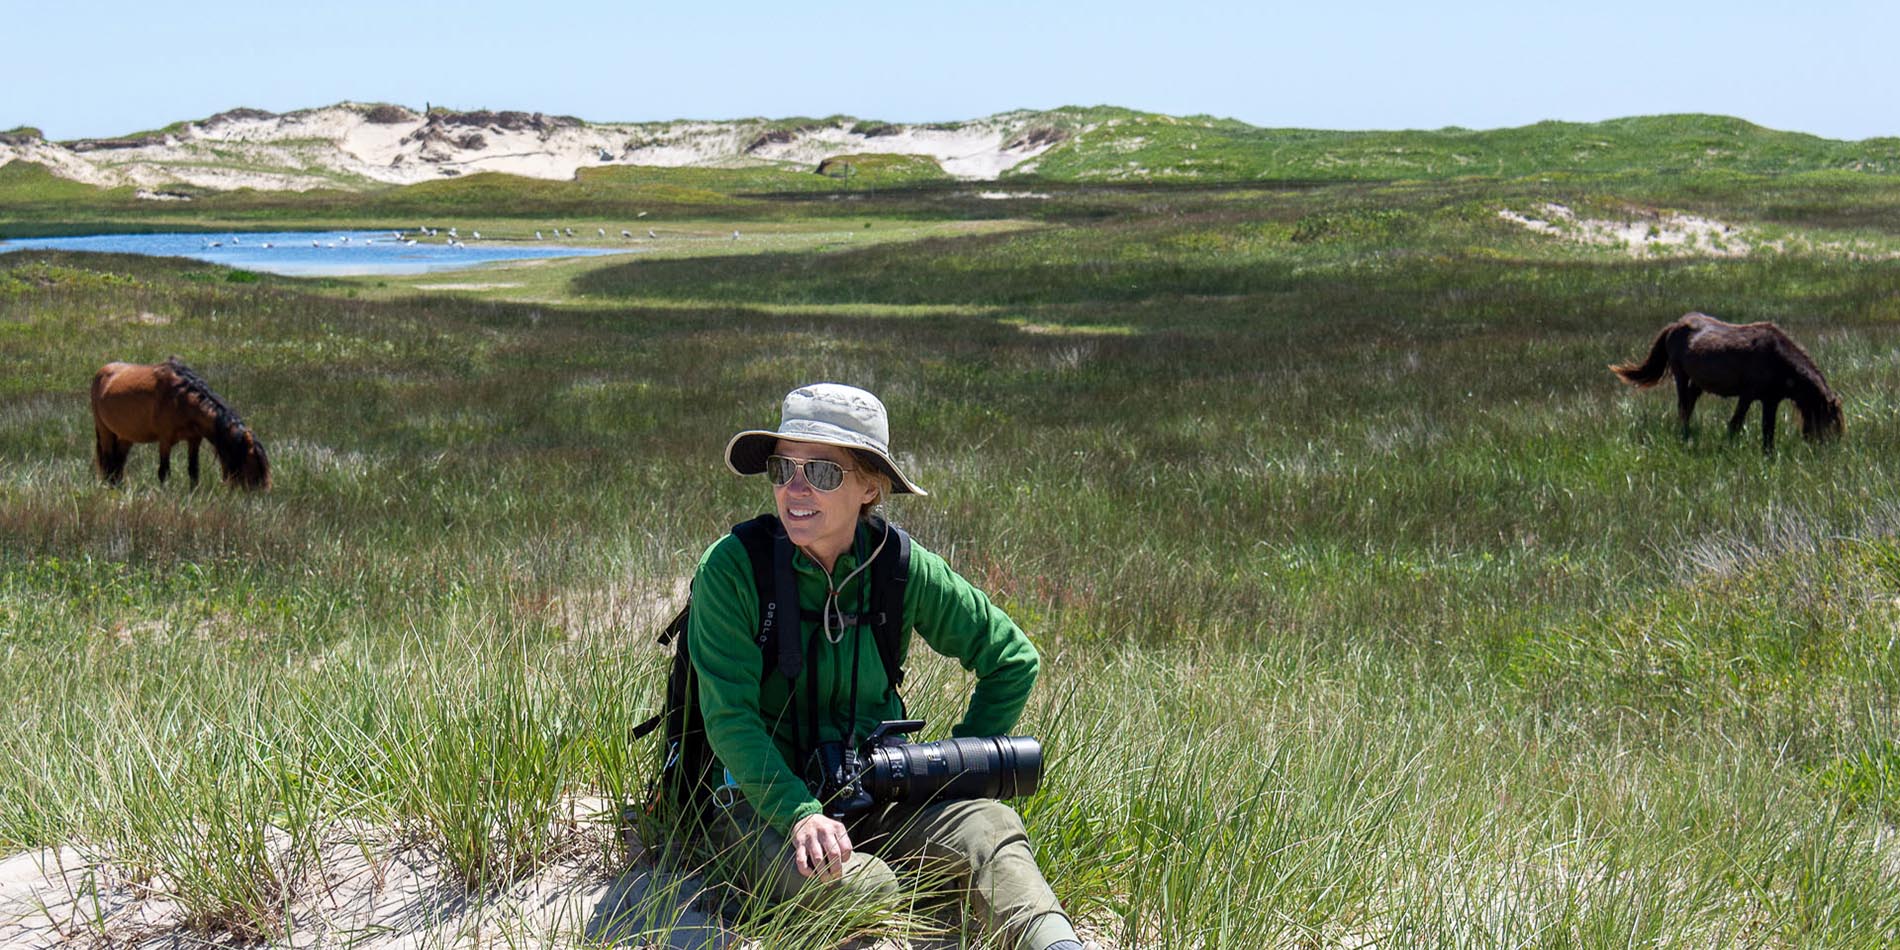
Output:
x=675 y=704
x=771 y=554
x=890 y=576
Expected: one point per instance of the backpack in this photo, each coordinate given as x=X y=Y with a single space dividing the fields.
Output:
x=688 y=770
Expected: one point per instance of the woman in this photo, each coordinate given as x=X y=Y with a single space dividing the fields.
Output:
x=829 y=463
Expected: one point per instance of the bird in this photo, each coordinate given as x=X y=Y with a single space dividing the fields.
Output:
x=735 y=235
x=603 y=231
x=650 y=234
x=641 y=215
x=315 y=244
x=570 y=232
x=267 y=244
x=409 y=242
x=346 y=239
x=234 y=240
x=628 y=234
x=396 y=234
x=452 y=232
x=537 y=235
x=478 y=235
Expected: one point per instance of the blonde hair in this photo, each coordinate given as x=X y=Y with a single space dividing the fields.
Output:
x=872 y=469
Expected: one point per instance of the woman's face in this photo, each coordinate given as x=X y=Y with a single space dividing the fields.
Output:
x=823 y=523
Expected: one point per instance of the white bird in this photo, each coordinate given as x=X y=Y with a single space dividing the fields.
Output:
x=603 y=231
x=234 y=240
x=409 y=242
x=537 y=235
x=452 y=232
x=735 y=235
x=478 y=235
x=652 y=235
x=641 y=215
x=626 y=233
x=346 y=239
x=570 y=232
x=396 y=234
x=331 y=244
x=315 y=244
x=369 y=240
x=267 y=244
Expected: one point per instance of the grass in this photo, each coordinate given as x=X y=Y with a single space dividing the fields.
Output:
x=1372 y=607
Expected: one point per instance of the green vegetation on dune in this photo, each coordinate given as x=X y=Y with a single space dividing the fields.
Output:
x=1372 y=607
x=1164 y=148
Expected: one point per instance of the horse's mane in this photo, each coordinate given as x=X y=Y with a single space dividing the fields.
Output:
x=191 y=387
x=1803 y=364
x=1818 y=406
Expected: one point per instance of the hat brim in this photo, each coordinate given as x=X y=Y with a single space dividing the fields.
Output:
x=747 y=452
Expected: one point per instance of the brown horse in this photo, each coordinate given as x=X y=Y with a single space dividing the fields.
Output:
x=167 y=403
x=1754 y=362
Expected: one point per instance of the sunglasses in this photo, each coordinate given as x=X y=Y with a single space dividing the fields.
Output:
x=821 y=474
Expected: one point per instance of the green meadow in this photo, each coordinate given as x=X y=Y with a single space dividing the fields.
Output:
x=1374 y=610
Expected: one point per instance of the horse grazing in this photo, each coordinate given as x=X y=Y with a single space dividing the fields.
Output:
x=1751 y=361
x=167 y=403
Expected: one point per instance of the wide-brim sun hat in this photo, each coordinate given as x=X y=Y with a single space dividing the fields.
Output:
x=828 y=414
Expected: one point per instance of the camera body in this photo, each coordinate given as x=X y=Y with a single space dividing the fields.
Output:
x=887 y=770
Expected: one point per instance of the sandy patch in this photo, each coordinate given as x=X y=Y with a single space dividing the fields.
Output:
x=368 y=890
x=1643 y=233
x=639 y=608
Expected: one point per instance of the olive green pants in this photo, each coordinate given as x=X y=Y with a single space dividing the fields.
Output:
x=973 y=848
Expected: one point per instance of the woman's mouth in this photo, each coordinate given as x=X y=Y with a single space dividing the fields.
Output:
x=802 y=512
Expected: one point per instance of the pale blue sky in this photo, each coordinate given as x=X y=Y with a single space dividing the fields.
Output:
x=83 y=68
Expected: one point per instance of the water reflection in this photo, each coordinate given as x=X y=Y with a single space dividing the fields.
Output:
x=317 y=253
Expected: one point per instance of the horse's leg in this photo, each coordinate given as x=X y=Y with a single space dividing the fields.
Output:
x=192 y=445
x=1686 y=393
x=1741 y=415
x=1768 y=407
x=112 y=453
x=164 y=460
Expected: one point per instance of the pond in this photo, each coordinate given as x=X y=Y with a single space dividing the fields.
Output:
x=316 y=253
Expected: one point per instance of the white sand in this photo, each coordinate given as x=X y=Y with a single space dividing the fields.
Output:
x=1643 y=233
x=369 y=891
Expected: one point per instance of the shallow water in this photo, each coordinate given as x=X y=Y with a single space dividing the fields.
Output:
x=312 y=253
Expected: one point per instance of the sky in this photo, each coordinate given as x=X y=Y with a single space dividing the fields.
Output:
x=82 y=69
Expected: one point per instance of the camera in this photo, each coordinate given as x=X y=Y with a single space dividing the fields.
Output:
x=887 y=770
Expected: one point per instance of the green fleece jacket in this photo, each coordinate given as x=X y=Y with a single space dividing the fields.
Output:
x=753 y=723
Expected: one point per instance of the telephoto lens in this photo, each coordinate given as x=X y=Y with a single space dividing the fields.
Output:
x=991 y=767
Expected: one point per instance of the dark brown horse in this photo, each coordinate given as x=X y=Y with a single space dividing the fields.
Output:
x=167 y=403
x=1754 y=362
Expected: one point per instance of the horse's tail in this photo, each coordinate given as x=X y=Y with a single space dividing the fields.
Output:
x=1652 y=370
x=108 y=452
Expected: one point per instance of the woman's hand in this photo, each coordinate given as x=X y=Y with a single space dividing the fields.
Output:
x=821 y=846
